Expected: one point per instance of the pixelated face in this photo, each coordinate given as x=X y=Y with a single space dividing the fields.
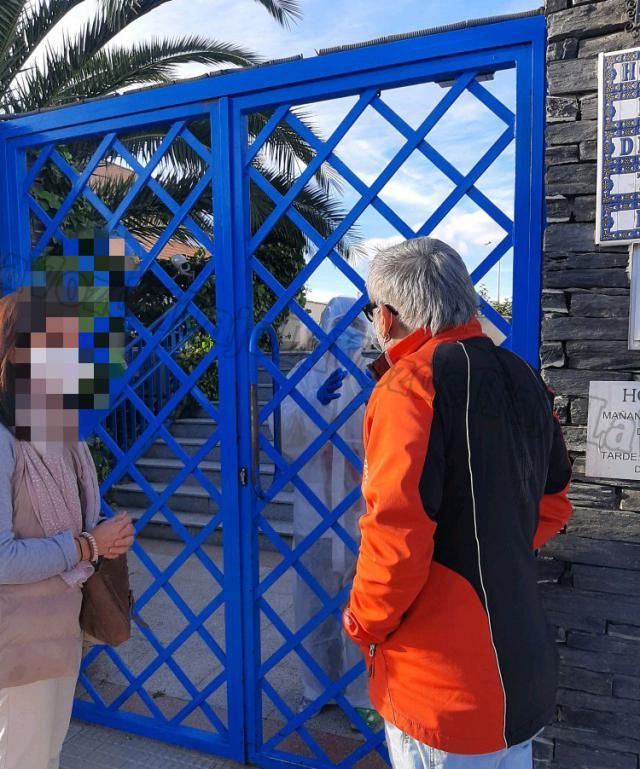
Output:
x=47 y=373
x=70 y=341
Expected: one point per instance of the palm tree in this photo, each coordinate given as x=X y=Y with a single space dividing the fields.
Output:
x=36 y=73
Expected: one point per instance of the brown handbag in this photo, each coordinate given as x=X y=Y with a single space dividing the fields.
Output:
x=107 y=602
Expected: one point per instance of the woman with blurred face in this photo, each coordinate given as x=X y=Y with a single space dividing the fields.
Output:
x=50 y=532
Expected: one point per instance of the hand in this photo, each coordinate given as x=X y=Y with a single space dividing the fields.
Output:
x=328 y=390
x=115 y=536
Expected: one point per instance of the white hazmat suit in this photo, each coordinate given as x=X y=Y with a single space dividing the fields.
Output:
x=331 y=477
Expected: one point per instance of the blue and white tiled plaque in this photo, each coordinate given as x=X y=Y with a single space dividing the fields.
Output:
x=618 y=194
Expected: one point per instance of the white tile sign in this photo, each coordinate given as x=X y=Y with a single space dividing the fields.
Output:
x=613 y=431
x=618 y=190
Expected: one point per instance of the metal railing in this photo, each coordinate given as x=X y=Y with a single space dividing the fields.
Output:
x=154 y=383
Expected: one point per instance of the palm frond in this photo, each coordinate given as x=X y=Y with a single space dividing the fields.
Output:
x=283 y=11
x=36 y=21
x=320 y=209
x=288 y=150
x=62 y=64
x=178 y=155
x=67 y=74
x=285 y=149
x=147 y=216
x=111 y=17
x=10 y=13
x=156 y=61
x=88 y=64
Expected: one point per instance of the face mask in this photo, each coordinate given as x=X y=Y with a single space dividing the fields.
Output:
x=59 y=369
x=350 y=341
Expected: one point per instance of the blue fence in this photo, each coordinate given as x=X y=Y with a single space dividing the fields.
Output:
x=239 y=627
x=154 y=383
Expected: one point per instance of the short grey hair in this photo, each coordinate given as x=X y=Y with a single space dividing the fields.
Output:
x=426 y=281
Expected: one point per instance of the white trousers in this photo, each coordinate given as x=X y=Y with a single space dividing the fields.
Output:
x=34 y=720
x=407 y=753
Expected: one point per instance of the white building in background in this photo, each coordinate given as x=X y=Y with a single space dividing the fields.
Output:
x=296 y=336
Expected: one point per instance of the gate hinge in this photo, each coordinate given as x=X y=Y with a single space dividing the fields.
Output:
x=244 y=476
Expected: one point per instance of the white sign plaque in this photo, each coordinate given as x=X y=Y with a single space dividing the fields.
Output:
x=613 y=431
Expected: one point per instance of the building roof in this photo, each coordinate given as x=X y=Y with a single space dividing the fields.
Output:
x=108 y=170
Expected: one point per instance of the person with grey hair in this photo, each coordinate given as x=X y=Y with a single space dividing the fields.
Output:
x=465 y=477
x=427 y=282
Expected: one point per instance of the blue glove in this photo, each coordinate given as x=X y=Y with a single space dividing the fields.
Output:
x=328 y=390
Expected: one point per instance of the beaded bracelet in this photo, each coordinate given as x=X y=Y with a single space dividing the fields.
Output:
x=95 y=555
x=82 y=542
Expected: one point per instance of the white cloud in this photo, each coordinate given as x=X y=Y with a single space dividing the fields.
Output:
x=470 y=233
x=412 y=196
x=323 y=295
x=371 y=246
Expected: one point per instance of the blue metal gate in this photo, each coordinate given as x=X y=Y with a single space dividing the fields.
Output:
x=216 y=657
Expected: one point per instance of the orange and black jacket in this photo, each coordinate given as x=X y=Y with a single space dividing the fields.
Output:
x=465 y=476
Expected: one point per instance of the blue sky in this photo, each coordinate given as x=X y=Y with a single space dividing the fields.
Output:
x=325 y=23
x=418 y=188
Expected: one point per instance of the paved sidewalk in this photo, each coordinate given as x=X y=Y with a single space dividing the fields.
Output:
x=92 y=747
x=197 y=587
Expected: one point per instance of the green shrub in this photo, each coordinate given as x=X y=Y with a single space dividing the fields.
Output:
x=102 y=460
x=194 y=351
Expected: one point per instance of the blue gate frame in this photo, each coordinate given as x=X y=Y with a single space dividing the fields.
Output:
x=458 y=55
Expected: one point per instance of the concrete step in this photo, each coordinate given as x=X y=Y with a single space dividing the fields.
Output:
x=265 y=391
x=160 y=450
x=163 y=470
x=159 y=528
x=193 y=427
x=194 y=499
x=201 y=413
x=203 y=427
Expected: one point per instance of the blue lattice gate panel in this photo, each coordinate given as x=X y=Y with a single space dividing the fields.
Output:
x=217 y=440
x=167 y=444
x=436 y=136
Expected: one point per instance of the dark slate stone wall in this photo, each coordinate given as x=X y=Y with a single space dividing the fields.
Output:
x=590 y=576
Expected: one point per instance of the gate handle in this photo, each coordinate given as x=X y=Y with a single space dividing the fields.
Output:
x=257 y=334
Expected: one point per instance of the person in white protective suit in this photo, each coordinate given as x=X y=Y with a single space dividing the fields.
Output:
x=329 y=388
